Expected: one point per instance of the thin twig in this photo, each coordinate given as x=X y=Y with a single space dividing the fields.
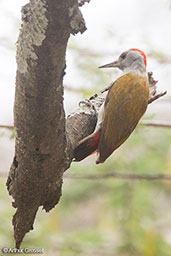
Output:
x=113 y=175
x=156 y=123
x=10 y=127
x=122 y=176
x=156 y=96
x=153 y=123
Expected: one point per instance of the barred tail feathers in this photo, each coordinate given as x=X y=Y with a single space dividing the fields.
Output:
x=86 y=146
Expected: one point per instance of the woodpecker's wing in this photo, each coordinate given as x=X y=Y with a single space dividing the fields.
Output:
x=125 y=104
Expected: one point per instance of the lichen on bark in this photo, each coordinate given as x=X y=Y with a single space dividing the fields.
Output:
x=34 y=25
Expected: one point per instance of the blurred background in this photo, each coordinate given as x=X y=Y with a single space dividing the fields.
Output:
x=107 y=216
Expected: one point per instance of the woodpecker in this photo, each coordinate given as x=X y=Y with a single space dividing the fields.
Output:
x=125 y=104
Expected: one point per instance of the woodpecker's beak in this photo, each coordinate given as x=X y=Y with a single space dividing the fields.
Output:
x=114 y=64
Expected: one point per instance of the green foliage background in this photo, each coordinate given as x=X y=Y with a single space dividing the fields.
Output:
x=108 y=216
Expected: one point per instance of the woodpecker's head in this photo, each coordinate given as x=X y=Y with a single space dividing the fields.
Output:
x=131 y=60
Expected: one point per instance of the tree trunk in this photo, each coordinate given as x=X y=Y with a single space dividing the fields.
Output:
x=35 y=177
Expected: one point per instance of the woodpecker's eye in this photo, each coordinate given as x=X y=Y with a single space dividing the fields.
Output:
x=123 y=55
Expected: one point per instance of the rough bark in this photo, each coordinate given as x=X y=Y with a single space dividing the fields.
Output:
x=35 y=176
x=44 y=140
